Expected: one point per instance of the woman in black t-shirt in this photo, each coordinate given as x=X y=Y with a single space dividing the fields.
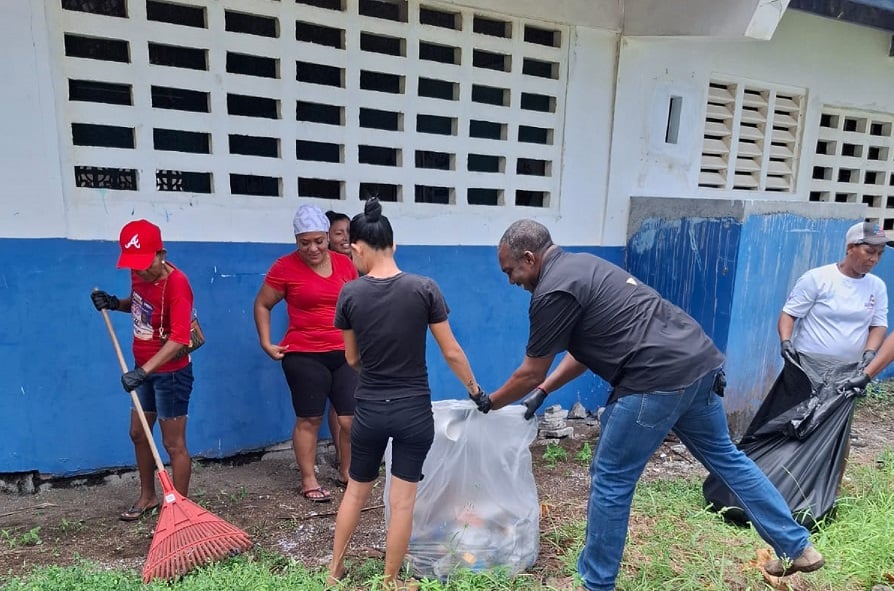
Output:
x=385 y=316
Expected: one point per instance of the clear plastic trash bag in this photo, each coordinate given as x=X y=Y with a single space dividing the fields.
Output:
x=476 y=506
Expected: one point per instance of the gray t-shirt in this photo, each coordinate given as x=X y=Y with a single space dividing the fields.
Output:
x=390 y=319
x=620 y=328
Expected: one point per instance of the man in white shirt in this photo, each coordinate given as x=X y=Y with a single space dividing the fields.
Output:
x=839 y=311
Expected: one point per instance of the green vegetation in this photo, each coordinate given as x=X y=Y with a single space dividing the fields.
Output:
x=585 y=454
x=878 y=393
x=554 y=454
x=28 y=538
x=675 y=544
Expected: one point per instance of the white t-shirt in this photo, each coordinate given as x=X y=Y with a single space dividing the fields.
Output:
x=835 y=312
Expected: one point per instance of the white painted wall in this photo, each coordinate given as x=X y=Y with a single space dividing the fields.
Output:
x=31 y=197
x=577 y=202
x=837 y=63
x=600 y=14
x=612 y=143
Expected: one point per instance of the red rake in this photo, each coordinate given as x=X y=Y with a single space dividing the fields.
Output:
x=187 y=535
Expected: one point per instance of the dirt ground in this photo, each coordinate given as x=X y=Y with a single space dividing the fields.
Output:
x=79 y=519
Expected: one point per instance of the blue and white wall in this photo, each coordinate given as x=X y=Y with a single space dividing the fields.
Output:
x=731 y=262
x=62 y=410
x=572 y=120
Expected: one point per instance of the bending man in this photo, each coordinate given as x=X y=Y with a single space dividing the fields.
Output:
x=664 y=371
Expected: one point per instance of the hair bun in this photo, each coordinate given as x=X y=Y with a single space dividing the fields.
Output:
x=372 y=210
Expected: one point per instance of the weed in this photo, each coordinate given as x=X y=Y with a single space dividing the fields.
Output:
x=31 y=537
x=9 y=538
x=239 y=495
x=554 y=454
x=71 y=526
x=585 y=454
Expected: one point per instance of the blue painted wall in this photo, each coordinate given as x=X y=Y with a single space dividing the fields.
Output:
x=691 y=262
x=733 y=276
x=62 y=409
x=776 y=250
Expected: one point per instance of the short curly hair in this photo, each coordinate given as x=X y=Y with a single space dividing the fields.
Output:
x=525 y=235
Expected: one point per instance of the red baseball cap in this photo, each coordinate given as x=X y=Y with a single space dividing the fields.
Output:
x=140 y=241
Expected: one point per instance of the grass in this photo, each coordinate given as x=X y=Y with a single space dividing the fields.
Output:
x=674 y=544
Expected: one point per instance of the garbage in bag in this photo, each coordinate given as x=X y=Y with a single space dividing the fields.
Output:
x=476 y=506
x=799 y=439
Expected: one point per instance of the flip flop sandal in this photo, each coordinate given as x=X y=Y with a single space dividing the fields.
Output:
x=317 y=495
x=135 y=513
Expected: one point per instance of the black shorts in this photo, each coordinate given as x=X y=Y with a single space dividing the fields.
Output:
x=314 y=377
x=410 y=424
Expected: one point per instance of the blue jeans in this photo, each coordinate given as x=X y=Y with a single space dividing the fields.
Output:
x=632 y=429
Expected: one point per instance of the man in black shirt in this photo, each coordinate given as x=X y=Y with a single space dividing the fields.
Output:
x=665 y=375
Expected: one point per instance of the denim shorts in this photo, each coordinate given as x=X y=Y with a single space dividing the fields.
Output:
x=167 y=394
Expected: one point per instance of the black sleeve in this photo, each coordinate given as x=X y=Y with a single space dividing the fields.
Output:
x=553 y=318
x=438 y=310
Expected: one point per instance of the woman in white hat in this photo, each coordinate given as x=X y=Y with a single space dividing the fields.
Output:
x=312 y=351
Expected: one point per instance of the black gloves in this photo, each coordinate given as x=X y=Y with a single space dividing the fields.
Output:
x=481 y=400
x=533 y=402
x=788 y=350
x=104 y=301
x=856 y=383
x=868 y=356
x=134 y=378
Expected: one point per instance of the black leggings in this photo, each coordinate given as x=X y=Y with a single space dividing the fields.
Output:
x=314 y=377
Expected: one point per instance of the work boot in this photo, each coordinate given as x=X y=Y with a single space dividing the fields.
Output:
x=809 y=561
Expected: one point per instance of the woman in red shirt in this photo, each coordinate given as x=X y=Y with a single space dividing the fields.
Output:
x=312 y=351
x=160 y=302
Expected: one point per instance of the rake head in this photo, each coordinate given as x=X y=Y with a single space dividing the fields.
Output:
x=188 y=536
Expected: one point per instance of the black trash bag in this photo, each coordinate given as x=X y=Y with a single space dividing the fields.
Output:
x=799 y=439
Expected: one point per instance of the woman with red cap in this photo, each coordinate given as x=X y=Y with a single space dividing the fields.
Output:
x=160 y=303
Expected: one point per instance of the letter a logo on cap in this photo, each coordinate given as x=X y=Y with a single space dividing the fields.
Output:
x=135 y=242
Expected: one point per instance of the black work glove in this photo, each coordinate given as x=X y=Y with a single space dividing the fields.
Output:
x=868 y=356
x=104 y=301
x=133 y=378
x=481 y=400
x=856 y=383
x=788 y=351
x=533 y=402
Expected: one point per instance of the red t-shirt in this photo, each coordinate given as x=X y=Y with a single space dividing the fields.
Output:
x=310 y=301
x=146 y=300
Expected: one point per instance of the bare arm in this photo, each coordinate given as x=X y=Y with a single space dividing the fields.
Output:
x=529 y=374
x=167 y=352
x=568 y=369
x=875 y=338
x=352 y=353
x=785 y=326
x=454 y=355
x=265 y=300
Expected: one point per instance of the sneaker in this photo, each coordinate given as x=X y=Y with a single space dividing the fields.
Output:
x=809 y=561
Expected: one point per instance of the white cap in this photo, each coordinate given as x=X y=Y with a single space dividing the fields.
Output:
x=866 y=233
x=310 y=218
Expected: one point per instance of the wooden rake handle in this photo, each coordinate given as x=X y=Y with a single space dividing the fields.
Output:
x=133 y=395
